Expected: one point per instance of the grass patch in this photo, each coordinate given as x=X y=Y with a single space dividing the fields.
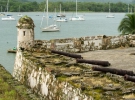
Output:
x=10 y=89
x=62 y=78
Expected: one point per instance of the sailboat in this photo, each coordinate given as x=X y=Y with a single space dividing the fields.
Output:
x=1 y=14
x=49 y=28
x=128 y=8
x=60 y=14
x=80 y=18
x=8 y=17
x=61 y=17
x=110 y=15
x=19 y=15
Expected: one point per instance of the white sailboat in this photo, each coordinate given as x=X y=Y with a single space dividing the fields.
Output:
x=110 y=15
x=60 y=14
x=78 y=18
x=61 y=17
x=8 y=17
x=19 y=15
x=128 y=8
x=49 y=28
x=1 y=14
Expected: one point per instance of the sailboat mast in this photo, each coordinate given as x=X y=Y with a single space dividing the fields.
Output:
x=128 y=8
x=19 y=8
x=55 y=16
x=1 y=8
x=60 y=8
x=76 y=7
x=7 y=6
x=47 y=11
x=109 y=7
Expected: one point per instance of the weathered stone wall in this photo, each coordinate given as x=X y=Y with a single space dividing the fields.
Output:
x=55 y=77
x=85 y=44
x=42 y=82
x=39 y=78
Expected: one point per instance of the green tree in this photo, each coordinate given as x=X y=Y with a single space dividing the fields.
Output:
x=127 y=25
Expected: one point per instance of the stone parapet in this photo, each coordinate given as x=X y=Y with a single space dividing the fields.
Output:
x=85 y=44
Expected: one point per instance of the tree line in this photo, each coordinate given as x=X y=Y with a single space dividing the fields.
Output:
x=65 y=6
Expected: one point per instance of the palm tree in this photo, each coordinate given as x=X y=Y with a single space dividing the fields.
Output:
x=127 y=25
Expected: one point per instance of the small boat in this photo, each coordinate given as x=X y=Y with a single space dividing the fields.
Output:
x=62 y=20
x=110 y=15
x=60 y=14
x=8 y=17
x=52 y=27
x=77 y=18
x=19 y=15
x=2 y=14
x=12 y=50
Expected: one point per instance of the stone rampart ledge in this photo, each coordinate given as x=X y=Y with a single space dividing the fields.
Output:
x=84 y=44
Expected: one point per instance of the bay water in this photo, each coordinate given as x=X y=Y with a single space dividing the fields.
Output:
x=94 y=24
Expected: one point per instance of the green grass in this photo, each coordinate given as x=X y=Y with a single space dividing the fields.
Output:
x=7 y=92
x=10 y=89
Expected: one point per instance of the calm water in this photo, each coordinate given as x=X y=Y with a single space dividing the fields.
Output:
x=95 y=24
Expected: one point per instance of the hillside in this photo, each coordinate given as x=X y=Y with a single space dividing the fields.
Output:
x=114 y=1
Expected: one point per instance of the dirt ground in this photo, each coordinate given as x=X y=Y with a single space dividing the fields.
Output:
x=121 y=58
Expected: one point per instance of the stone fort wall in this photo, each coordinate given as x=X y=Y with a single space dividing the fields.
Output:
x=85 y=44
x=30 y=69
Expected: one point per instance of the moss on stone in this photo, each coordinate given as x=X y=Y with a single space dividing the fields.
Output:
x=62 y=78
x=26 y=22
x=74 y=84
x=11 y=89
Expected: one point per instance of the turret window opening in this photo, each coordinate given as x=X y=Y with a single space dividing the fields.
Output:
x=23 y=33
